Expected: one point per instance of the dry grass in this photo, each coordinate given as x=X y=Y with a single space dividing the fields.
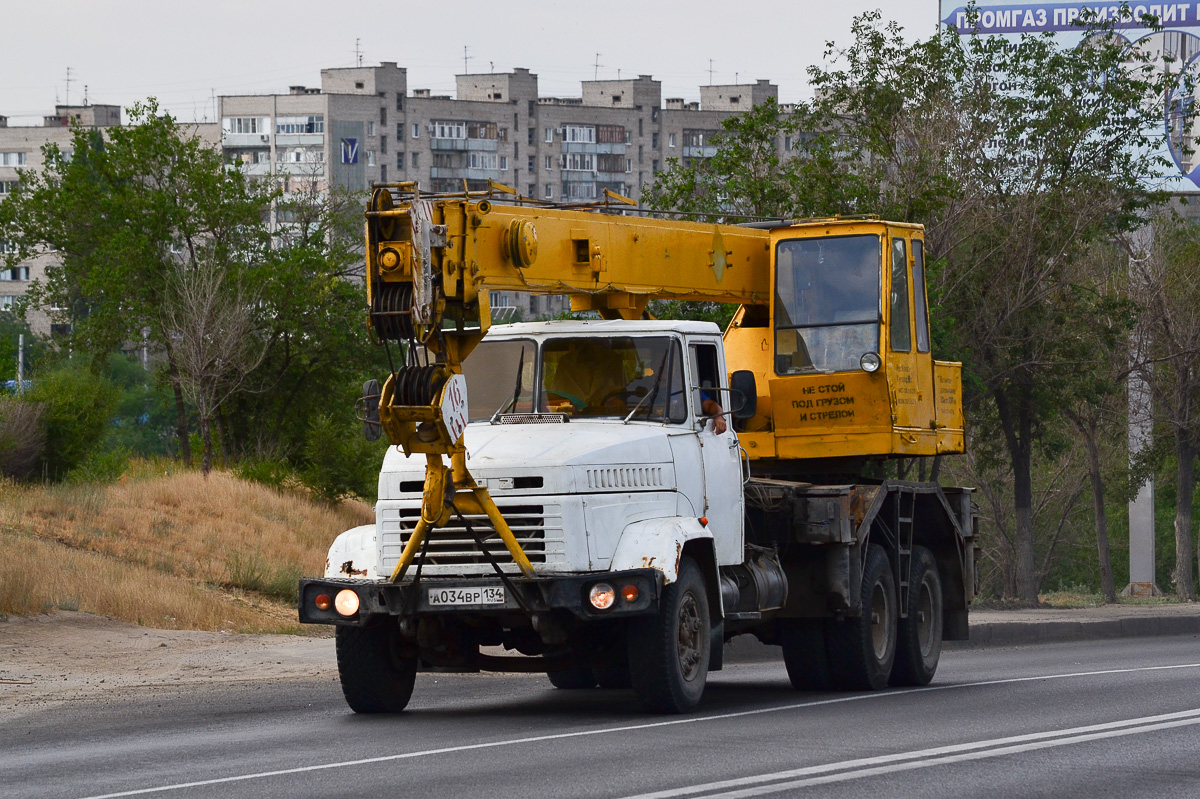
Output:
x=165 y=547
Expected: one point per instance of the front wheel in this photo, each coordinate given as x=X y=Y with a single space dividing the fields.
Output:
x=919 y=637
x=862 y=650
x=377 y=674
x=668 y=651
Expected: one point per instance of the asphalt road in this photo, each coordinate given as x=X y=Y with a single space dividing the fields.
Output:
x=1089 y=719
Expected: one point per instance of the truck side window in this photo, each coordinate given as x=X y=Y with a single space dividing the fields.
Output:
x=918 y=248
x=706 y=375
x=900 y=334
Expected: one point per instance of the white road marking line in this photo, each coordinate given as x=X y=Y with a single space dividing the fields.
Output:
x=626 y=728
x=881 y=764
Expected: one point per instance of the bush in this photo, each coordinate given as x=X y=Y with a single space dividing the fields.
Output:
x=101 y=467
x=274 y=472
x=339 y=462
x=22 y=437
x=79 y=406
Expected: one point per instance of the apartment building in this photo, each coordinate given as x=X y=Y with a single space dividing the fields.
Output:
x=364 y=125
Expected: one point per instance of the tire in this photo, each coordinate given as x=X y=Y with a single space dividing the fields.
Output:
x=376 y=675
x=613 y=677
x=862 y=650
x=919 y=637
x=669 y=651
x=803 y=642
x=572 y=679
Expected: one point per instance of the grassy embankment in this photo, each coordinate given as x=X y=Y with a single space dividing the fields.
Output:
x=166 y=547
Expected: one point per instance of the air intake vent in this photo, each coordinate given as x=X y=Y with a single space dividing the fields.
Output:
x=453 y=545
x=533 y=418
x=616 y=477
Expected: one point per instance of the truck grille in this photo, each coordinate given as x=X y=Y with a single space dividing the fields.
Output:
x=452 y=545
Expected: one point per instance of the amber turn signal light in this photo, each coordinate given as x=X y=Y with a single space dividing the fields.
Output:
x=323 y=602
x=629 y=593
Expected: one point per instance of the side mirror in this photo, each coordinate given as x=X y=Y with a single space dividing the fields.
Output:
x=742 y=382
x=372 y=430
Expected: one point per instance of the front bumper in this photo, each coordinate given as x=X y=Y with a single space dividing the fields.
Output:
x=566 y=592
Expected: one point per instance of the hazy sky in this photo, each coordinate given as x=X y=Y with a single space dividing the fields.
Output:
x=184 y=52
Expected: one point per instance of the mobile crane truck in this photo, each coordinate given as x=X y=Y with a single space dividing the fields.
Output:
x=622 y=496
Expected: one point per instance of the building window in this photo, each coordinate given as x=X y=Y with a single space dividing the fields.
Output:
x=549 y=135
x=383 y=116
x=383 y=145
x=383 y=173
x=584 y=134
x=654 y=141
x=231 y=125
x=504 y=163
x=532 y=189
x=610 y=134
x=482 y=161
x=653 y=166
x=628 y=165
x=549 y=191
x=549 y=162
x=371 y=158
x=671 y=139
x=416 y=160
x=532 y=135
x=532 y=163
x=448 y=130
x=370 y=128
x=416 y=132
x=628 y=136
x=400 y=160
x=443 y=160
x=399 y=101
x=579 y=162
x=6 y=302
x=294 y=125
x=7 y=185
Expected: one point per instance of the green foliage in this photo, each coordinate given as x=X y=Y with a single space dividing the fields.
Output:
x=720 y=313
x=339 y=462
x=274 y=472
x=79 y=406
x=11 y=328
x=105 y=466
x=250 y=572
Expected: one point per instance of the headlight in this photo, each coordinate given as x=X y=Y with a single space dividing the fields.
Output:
x=870 y=362
x=346 y=602
x=602 y=596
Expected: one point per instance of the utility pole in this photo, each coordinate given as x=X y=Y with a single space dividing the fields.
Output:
x=357 y=52
x=466 y=58
x=596 y=74
x=68 y=102
x=710 y=83
x=20 y=363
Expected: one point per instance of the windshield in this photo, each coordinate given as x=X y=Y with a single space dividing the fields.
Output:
x=611 y=377
x=826 y=302
x=497 y=372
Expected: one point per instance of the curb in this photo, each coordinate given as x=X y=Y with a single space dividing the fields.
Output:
x=1045 y=632
x=748 y=649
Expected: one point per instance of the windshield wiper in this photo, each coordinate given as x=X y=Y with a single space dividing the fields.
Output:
x=511 y=402
x=651 y=395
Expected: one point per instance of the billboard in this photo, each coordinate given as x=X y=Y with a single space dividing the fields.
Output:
x=1175 y=48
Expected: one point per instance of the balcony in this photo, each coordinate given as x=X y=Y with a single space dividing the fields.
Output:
x=245 y=139
x=459 y=173
x=299 y=139
x=481 y=145
x=586 y=147
x=701 y=151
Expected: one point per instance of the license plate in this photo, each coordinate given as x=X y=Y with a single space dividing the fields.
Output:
x=481 y=595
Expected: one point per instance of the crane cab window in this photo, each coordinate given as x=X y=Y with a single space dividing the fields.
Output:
x=922 y=309
x=899 y=326
x=614 y=377
x=826 y=302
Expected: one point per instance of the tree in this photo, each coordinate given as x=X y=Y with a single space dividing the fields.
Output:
x=122 y=214
x=1170 y=331
x=1018 y=158
x=214 y=326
